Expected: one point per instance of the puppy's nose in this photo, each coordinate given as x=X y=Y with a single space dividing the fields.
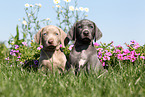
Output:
x=86 y=33
x=50 y=41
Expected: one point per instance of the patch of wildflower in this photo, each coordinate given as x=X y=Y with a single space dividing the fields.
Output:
x=107 y=53
x=66 y=13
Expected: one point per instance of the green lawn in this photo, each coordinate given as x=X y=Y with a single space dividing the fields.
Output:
x=128 y=81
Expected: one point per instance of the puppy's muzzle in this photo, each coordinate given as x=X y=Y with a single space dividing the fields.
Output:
x=85 y=32
x=51 y=41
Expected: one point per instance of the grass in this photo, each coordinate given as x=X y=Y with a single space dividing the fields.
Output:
x=128 y=81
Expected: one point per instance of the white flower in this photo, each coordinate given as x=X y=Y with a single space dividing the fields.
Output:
x=81 y=8
x=39 y=5
x=77 y=9
x=24 y=22
x=58 y=6
x=36 y=4
x=67 y=0
x=47 y=19
x=27 y=5
x=71 y=8
x=56 y=1
x=31 y=5
x=86 y=9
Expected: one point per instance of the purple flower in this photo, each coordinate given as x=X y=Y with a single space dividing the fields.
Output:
x=16 y=51
x=24 y=43
x=99 y=55
x=35 y=62
x=132 y=42
x=12 y=52
x=16 y=46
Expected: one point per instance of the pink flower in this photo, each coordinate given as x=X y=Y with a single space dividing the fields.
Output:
x=108 y=54
x=106 y=58
x=119 y=46
x=137 y=54
x=132 y=52
x=142 y=57
x=120 y=56
x=103 y=64
x=126 y=51
x=125 y=58
x=136 y=46
x=38 y=48
x=100 y=49
x=41 y=46
x=70 y=47
x=128 y=57
x=96 y=44
x=133 y=58
x=132 y=42
x=118 y=51
x=7 y=58
x=21 y=63
x=19 y=57
x=60 y=45
x=24 y=43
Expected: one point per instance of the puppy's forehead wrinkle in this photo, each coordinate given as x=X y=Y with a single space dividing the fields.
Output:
x=50 y=29
x=85 y=23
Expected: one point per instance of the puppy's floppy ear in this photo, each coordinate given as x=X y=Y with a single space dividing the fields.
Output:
x=98 y=33
x=72 y=32
x=38 y=36
x=63 y=37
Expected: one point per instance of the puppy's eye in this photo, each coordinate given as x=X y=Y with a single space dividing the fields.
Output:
x=79 y=26
x=91 y=27
x=56 y=33
x=45 y=34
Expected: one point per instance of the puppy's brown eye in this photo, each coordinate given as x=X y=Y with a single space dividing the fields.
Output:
x=79 y=26
x=91 y=27
x=45 y=34
x=56 y=33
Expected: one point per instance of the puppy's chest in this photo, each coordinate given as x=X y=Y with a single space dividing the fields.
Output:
x=54 y=59
x=83 y=58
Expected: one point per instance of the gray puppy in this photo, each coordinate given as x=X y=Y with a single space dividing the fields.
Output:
x=84 y=54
